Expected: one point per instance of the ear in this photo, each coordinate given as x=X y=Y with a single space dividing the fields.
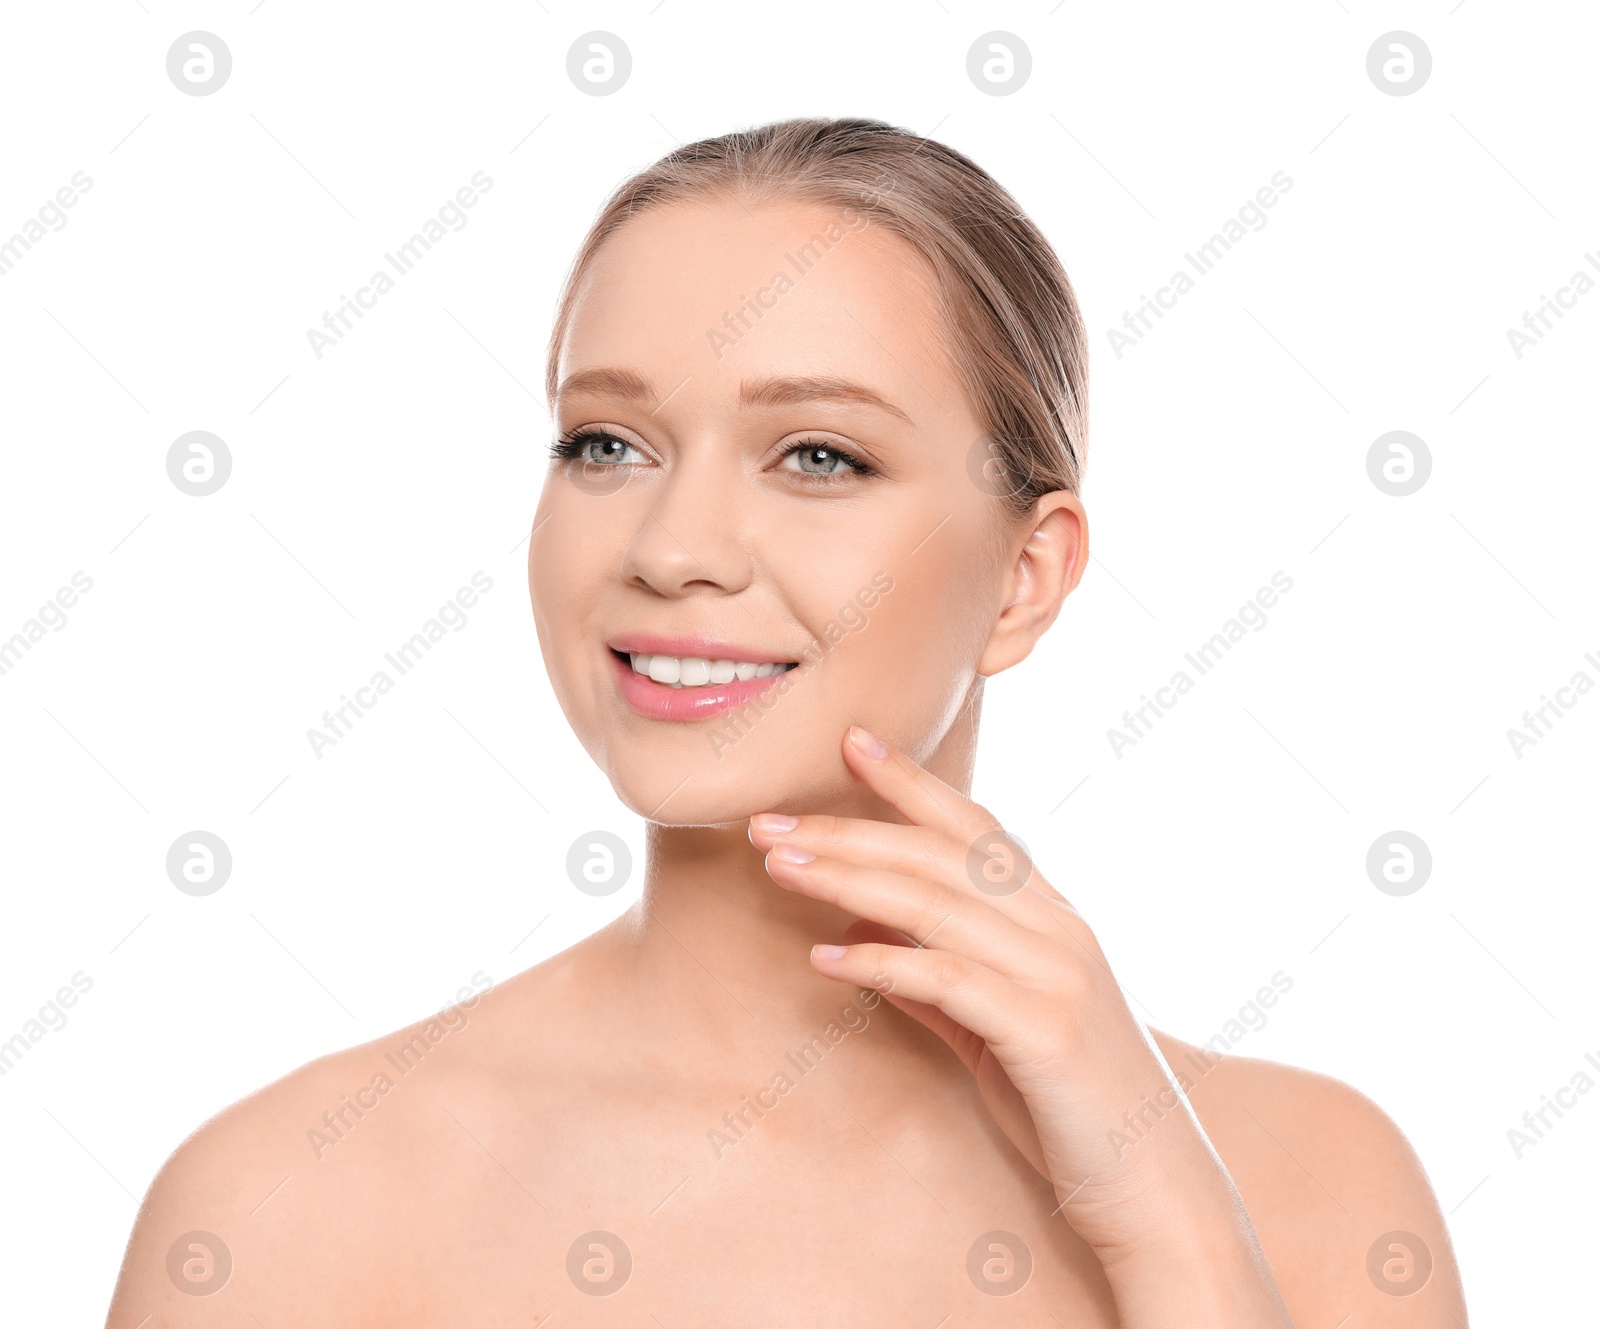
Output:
x=1044 y=564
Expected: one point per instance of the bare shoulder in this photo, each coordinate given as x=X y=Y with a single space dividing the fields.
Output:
x=219 y=1208
x=297 y=1203
x=1338 y=1197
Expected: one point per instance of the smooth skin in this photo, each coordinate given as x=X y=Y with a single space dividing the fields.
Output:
x=757 y=1132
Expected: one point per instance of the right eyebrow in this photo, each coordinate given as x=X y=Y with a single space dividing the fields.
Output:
x=623 y=383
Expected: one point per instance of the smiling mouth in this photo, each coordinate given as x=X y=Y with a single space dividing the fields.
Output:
x=693 y=671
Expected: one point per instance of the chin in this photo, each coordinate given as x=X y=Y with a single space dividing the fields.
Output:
x=672 y=791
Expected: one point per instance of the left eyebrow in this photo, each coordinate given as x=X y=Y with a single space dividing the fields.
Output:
x=815 y=387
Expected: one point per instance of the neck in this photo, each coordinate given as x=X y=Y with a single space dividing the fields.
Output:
x=721 y=951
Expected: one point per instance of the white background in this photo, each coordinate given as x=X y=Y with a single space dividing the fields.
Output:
x=368 y=485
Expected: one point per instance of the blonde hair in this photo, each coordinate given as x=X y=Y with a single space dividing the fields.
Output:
x=1013 y=327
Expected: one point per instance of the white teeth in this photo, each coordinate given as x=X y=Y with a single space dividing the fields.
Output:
x=696 y=671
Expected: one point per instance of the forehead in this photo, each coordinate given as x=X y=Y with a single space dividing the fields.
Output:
x=716 y=292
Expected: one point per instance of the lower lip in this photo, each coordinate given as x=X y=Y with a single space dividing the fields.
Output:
x=657 y=701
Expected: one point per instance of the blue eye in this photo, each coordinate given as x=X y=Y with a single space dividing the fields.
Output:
x=576 y=444
x=822 y=453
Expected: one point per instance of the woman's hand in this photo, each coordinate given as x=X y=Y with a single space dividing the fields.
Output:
x=960 y=931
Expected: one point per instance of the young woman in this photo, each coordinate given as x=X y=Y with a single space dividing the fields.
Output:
x=852 y=1060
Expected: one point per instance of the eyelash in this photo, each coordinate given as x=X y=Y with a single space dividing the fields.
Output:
x=565 y=449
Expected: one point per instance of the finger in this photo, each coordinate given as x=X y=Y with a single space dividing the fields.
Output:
x=989 y=864
x=911 y=851
x=995 y=863
x=971 y=994
x=962 y=1041
x=919 y=795
x=931 y=913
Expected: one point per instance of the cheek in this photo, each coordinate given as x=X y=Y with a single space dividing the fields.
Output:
x=567 y=567
x=899 y=638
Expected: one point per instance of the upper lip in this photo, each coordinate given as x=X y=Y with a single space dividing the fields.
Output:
x=685 y=648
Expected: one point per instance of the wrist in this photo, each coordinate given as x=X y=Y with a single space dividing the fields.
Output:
x=1196 y=1263
x=1175 y=1241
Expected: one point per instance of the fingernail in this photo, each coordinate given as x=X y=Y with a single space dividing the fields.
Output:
x=868 y=743
x=822 y=952
x=793 y=853
x=774 y=822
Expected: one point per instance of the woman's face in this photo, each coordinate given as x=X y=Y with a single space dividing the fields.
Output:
x=707 y=342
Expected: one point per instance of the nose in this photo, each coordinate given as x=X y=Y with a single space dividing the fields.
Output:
x=693 y=529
